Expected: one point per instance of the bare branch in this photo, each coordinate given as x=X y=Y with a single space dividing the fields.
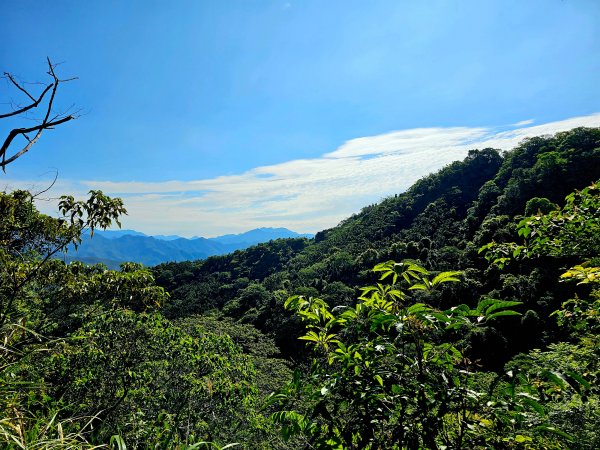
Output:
x=10 y=77
x=21 y=131
x=31 y=105
x=46 y=123
x=36 y=195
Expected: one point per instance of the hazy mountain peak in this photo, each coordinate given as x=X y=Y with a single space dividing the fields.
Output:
x=115 y=246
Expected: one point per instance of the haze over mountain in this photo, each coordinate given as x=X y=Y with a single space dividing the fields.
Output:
x=113 y=247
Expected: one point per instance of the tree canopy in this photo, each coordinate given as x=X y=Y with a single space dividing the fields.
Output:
x=462 y=313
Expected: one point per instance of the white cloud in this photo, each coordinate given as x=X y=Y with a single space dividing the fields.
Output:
x=407 y=141
x=306 y=194
x=522 y=123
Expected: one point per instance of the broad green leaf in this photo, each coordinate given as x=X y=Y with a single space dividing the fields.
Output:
x=532 y=402
x=500 y=304
x=502 y=313
x=445 y=277
x=582 y=381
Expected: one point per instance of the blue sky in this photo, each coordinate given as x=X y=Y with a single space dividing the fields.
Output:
x=228 y=115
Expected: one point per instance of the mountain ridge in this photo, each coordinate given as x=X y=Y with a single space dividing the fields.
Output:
x=112 y=247
x=440 y=222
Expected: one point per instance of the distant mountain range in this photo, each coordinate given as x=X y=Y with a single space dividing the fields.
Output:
x=114 y=247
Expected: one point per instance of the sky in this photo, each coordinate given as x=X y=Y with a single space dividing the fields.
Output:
x=212 y=117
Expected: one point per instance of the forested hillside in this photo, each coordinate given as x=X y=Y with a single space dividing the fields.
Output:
x=462 y=313
x=441 y=221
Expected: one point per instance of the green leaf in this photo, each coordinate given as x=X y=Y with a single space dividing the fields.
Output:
x=503 y=313
x=582 y=381
x=416 y=268
x=482 y=305
x=532 y=403
x=556 y=377
x=417 y=308
x=441 y=317
x=501 y=304
x=418 y=287
x=379 y=379
x=445 y=277
x=310 y=336
x=556 y=431
x=117 y=441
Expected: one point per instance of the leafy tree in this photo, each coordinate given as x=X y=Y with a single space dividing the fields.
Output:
x=571 y=232
x=27 y=275
x=84 y=357
x=539 y=205
x=31 y=304
x=385 y=374
x=147 y=380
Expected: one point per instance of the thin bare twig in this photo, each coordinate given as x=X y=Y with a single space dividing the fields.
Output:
x=46 y=123
x=35 y=103
x=36 y=195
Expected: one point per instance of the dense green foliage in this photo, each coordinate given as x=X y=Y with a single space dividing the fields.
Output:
x=441 y=221
x=484 y=336
x=85 y=357
x=386 y=376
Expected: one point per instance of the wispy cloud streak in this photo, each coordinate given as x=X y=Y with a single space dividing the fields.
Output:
x=307 y=194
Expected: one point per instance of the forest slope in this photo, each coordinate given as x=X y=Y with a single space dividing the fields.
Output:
x=441 y=221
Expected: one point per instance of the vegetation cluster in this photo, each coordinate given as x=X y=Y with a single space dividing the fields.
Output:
x=477 y=328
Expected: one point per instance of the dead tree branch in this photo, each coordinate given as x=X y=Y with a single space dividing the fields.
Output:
x=47 y=123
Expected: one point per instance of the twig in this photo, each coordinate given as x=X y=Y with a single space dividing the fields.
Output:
x=46 y=123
